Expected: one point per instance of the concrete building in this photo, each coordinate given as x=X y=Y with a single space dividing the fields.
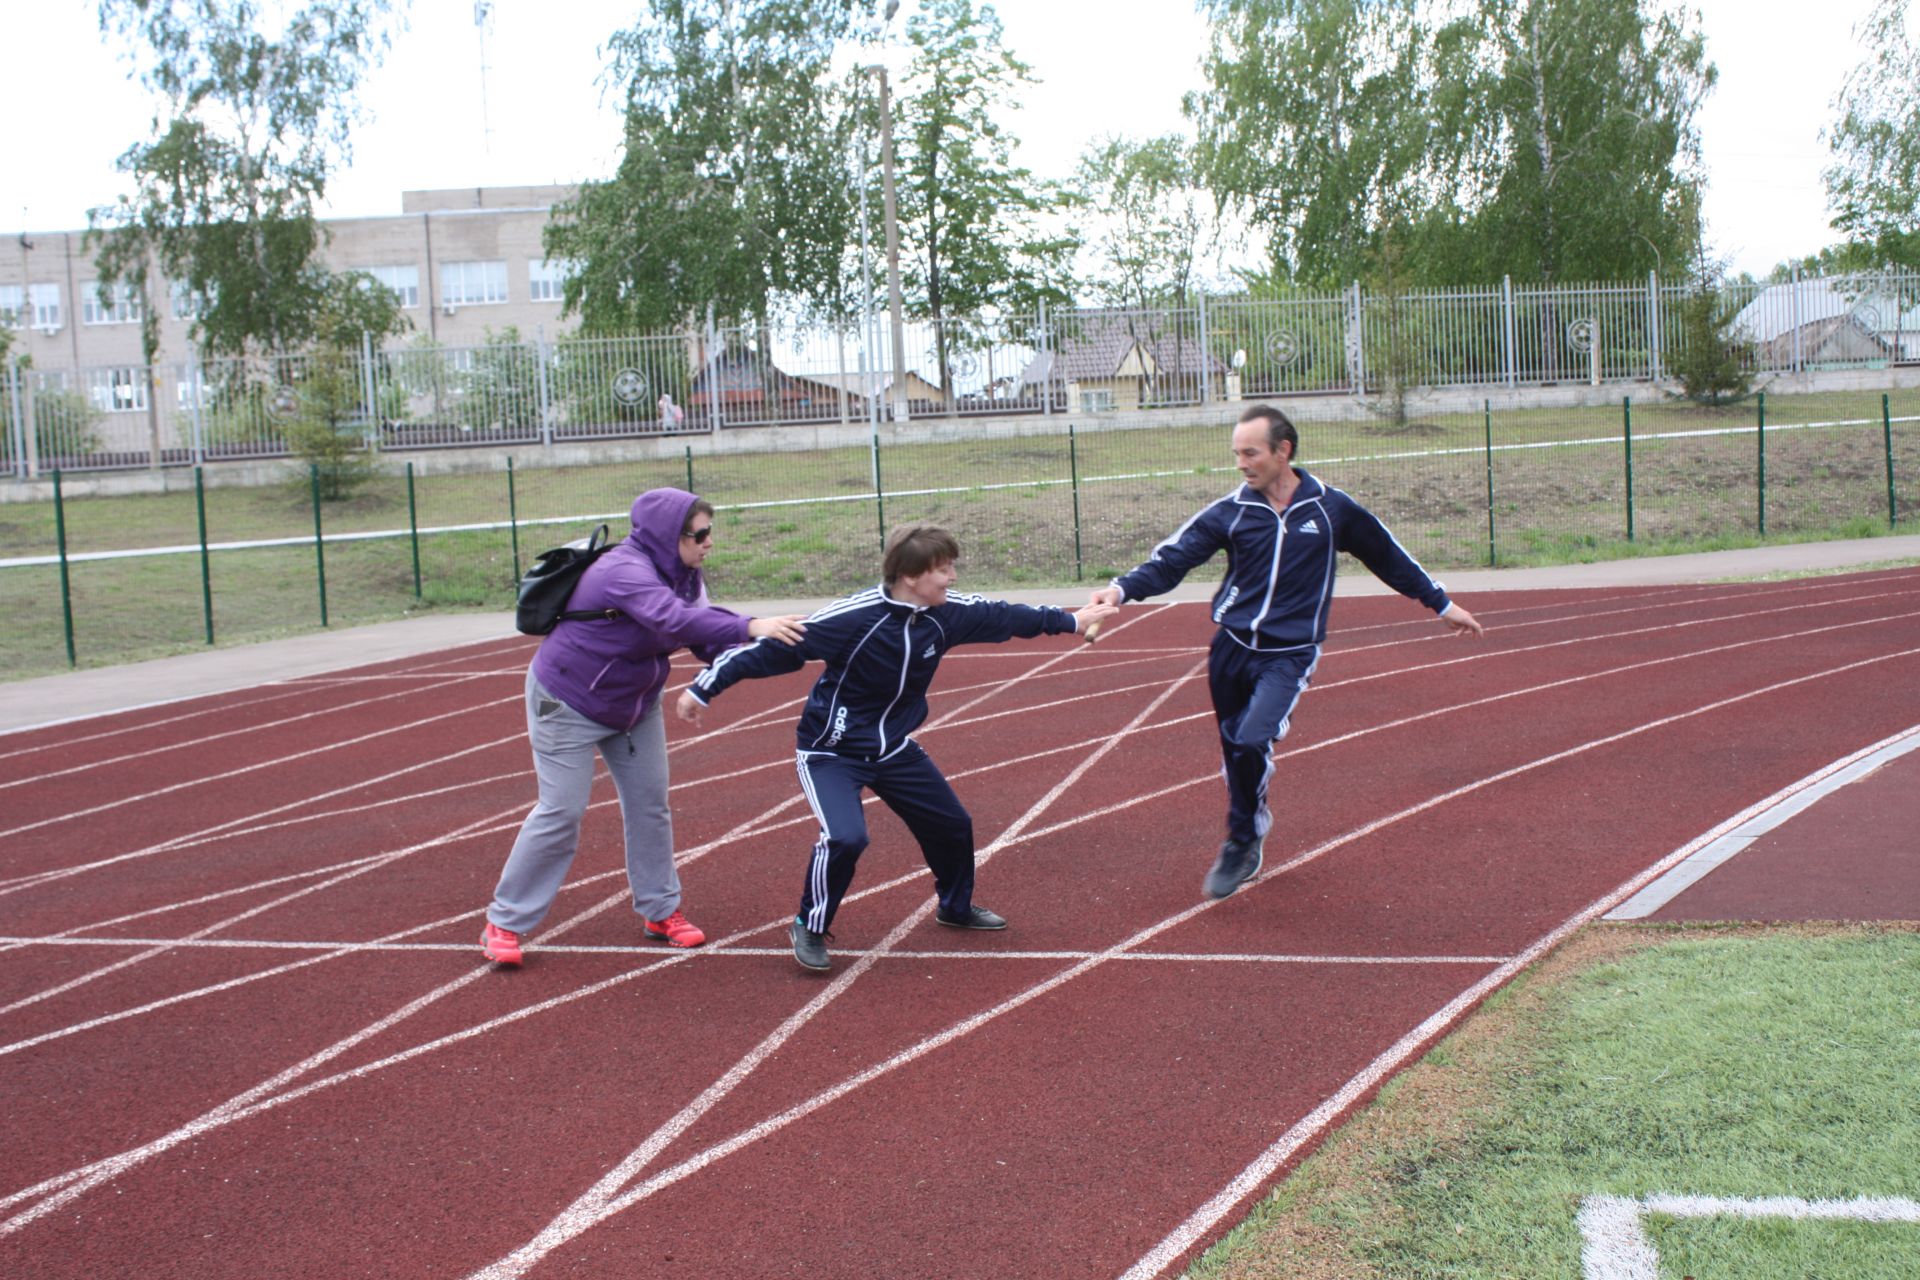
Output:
x=463 y=261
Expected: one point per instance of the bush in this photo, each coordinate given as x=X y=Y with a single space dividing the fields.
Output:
x=65 y=426
x=1715 y=363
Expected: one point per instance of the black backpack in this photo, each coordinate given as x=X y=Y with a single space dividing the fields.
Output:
x=551 y=579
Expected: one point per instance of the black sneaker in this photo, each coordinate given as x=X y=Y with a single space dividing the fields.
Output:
x=1238 y=862
x=809 y=948
x=976 y=918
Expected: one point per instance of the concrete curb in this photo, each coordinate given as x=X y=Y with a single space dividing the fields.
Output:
x=74 y=695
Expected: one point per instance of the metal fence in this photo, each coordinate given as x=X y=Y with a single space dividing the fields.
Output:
x=102 y=578
x=1081 y=362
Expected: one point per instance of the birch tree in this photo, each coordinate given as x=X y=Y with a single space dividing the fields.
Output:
x=1873 y=184
x=256 y=113
x=732 y=187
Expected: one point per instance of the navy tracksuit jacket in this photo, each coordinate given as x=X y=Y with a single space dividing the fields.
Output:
x=1272 y=613
x=856 y=731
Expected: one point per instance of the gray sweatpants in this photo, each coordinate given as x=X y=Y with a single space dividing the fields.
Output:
x=564 y=743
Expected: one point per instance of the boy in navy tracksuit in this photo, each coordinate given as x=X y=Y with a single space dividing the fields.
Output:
x=882 y=647
x=1282 y=531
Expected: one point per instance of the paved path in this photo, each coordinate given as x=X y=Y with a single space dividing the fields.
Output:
x=98 y=691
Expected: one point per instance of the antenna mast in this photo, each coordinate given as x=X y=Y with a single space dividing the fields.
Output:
x=482 y=20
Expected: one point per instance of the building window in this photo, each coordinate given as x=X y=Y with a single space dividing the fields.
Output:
x=118 y=390
x=547 y=281
x=403 y=281
x=471 y=284
x=13 y=306
x=120 y=305
x=1096 y=400
x=44 y=299
x=184 y=302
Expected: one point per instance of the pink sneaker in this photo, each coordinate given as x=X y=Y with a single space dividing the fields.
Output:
x=502 y=946
x=676 y=931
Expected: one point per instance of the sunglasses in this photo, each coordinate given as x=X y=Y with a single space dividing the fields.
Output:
x=699 y=535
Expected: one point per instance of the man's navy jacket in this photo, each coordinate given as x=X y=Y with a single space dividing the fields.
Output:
x=1280 y=564
x=881 y=655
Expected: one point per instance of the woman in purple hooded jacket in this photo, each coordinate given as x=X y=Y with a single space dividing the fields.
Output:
x=594 y=685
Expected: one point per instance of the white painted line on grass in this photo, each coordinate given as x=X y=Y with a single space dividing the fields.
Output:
x=1798 y=799
x=1615 y=1246
x=1314 y=1123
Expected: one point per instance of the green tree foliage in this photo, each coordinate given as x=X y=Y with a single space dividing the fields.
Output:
x=1595 y=157
x=732 y=184
x=1156 y=220
x=330 y=425
x=1873 y=185
x=1542 y=139
x=252 y=123
x=1316 y=115
x=1715 y=363
x=970 y=218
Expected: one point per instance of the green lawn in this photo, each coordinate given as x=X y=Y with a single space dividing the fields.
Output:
x=1739 y=1062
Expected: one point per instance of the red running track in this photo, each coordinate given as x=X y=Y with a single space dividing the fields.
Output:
x=244 y=1029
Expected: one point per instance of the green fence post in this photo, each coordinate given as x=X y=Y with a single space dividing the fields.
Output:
x=66 y=582
x=879 y=491
x=319 y=543
x=1492 y=559
x=1760 y=473
x=1626 y=423
x=413 y=531
x=1886 y=433
x=513 y=519
x=690 y=488
x=206 y=565
x=1073 y=468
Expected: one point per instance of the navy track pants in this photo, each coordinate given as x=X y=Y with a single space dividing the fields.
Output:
x=1254 y=694
x=907 y=782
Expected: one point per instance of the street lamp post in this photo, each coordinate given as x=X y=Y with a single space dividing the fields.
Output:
x=888 y=212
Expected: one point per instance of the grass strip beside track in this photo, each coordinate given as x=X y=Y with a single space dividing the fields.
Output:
x=1741 y=1062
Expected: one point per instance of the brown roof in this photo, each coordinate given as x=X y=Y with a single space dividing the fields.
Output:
x=1096 y=345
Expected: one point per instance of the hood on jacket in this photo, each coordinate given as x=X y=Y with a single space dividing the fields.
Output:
x=659 y=515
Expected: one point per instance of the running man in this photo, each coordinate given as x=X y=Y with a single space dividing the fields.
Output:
x=882 y=647
x=1281 y=531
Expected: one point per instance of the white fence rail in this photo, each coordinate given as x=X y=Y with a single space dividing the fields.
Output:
x=1079 y=361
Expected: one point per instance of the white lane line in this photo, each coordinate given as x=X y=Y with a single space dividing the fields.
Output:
x=591 y=1207
x=350 y=680
x=267 y=1094
x=1205 y=1218
x=276 y=762
x=409 y=1052
x=283 y=693
x=444 y=682
x=1810 y=789
x=193 y=838
x=209 y=1121
x=439 y=661
x=654 y=949
x=1039 y=671
x=203 y=835
x=751 y=828
x=66 y=1187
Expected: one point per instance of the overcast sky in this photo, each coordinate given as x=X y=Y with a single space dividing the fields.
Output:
x=73 y=108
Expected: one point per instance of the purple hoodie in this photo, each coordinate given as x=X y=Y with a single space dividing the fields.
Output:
x=612 y=670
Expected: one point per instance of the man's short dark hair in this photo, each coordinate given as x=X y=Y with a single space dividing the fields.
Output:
x=1279 y=427
x=700 y=507
x=915 y=548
